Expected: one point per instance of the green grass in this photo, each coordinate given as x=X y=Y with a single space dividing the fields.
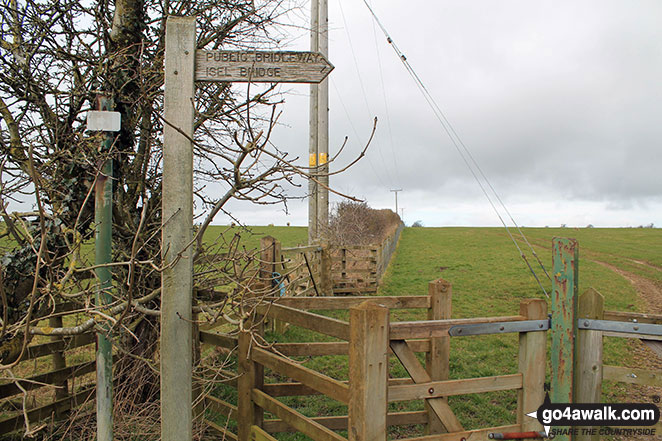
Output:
x=250 y=236
x=489 y=279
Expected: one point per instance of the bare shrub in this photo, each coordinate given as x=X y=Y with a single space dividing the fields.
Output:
x=355 y=223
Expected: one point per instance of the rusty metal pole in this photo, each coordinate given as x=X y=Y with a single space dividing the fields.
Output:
x=565 y=284
x=103 y=217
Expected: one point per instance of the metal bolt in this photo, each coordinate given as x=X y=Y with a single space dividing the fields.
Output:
x=459 y=331
x=501 y=328
x=431 y=390
x=636 y=328
x=176 y=72
x=634 y=320
x=586 y=323
x=540 y=326
x=186 y=52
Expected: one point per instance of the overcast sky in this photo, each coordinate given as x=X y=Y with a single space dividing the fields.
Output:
x=559 y=102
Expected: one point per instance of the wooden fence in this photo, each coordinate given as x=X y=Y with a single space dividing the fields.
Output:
x=369 y=339
x=589 y=368
x=359 y=269
x=323 y=270
x=53 y=386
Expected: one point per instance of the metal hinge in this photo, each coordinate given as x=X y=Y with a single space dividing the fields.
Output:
x=499 y=328
x=622 y=327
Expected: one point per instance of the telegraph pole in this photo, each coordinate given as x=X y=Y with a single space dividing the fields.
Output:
x=323 y=126
x=318 y=147
x=396 y=198
x=312 y=145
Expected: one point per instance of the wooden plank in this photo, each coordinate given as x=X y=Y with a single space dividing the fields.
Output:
x=334 y=303
x=588 y=363
x=301 y=250
x=300 y=423
x=67 y=343
x=632 y=375
x=437 y=361
x=346 y=290
x=468 y=435
x=221 y=407
x=420 y=375
x=314 y=322
x=227 y=435
x=312 y=348
x=565 y=281
x=334 y=348
x=621 y=316
x=53 y=377
x=340 y=422
x=357 y=271
x=298 y=389
x=257 y=434
x=44 y=412
x=368 y=372
x=436 y=389
x=217 y=339
x=326 y=385
x=439 y=328
x=532 y=363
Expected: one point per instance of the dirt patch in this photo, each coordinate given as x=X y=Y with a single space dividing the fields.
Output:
x=643 y=357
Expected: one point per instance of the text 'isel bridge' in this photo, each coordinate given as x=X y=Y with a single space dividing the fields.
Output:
x=261 y=66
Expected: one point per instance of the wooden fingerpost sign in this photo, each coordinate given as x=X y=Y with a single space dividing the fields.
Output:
x=183 y=66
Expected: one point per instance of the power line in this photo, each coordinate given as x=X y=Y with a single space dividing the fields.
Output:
x=363 y=91
x=460 y=146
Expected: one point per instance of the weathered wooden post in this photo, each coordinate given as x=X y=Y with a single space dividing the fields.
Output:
x=437 y=360
x=532 y=364
x=269 y=253
x=59 y=361
x=565 y=281
x=251 y=376
x=177 y=208
x=326 y=278
x=368 y=371
x=588 y=364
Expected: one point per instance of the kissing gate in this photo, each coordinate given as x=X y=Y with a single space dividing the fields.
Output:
x=577 y=324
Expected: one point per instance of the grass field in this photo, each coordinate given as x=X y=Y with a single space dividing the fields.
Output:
x=489 y=279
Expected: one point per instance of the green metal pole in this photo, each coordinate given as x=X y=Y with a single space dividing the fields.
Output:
x=103 y=217
x=565 y=285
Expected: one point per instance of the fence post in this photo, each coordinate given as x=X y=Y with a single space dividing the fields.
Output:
x=437 y=360
x=368 y=371
x=326 y=278
x=588 y=367
x=565 y=263
x=59 y=362
x=270 y=255
x=532 y=364
x=250 y=377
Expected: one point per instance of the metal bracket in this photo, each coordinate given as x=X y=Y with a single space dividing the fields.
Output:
x=622 y=327
x=499 y=328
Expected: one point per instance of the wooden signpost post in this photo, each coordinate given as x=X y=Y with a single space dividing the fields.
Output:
x=183 y=66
